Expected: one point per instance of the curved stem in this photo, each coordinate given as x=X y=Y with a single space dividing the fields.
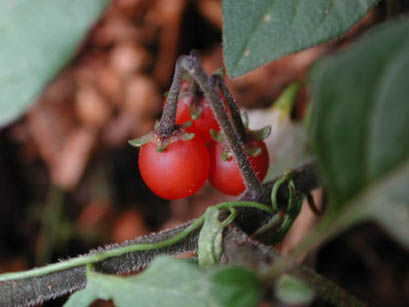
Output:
x=195 y=69
x=93 y=258
x=30 y=288
x=167 y=121
x=217 y=80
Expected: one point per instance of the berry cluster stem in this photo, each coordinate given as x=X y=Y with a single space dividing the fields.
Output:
x=167 y=121
x=193 y=66
x=217 y=81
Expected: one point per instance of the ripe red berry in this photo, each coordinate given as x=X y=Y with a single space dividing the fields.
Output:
x=205 y=122
x=188 y=104
x=177 y=172
x=224 y=173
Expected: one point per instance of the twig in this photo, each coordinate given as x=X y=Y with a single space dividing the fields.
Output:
x=167 y=122
x=217 y=80
x=193 y=66
x=34 y=290
x=239 y=249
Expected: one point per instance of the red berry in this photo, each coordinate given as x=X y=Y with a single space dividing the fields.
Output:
x=183 y=109
x=205 y=122
x=202 y=125
x=225 y=175
x=177 y=172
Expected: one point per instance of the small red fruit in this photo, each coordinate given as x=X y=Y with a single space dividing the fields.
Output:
x=205 y=122
x=188 y=105
x=177 y=172
x=224 y=173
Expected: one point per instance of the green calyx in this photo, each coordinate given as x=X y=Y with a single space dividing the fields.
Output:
x=260 y=134
x=162 y=142
x=217 y=136
x=139 y=142
x=256 y=135
x=195 y=108
x=253 y=151
x=226 y=154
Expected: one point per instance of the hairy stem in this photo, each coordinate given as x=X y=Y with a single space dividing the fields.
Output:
x=35 y=286
x=96 y=257
x=239 y=249
x=217 y=80
x=167 y=121
x=195 y=69
x=329 y=290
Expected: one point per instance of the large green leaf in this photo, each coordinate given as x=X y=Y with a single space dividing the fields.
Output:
x=258 y=31
x=360 y=129
x=174 y=283
x=37 y=39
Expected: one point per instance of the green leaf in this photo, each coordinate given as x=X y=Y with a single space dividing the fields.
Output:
x=293 y=291
x=360 y=129
x=210 y=239
x=256 y=32
x=235 y=287
x=37 y=39
x=174 y=283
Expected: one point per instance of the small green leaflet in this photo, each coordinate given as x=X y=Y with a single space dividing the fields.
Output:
x=258 y=31
x=210 y=239
x=37 y=39
x=172 y=283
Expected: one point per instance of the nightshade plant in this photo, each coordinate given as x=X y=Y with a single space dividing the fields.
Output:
x=359 y=132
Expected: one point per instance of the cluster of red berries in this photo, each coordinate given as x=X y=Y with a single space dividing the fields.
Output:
x=178 y=165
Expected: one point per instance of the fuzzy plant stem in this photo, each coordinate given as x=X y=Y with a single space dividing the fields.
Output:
x=193 y=66
x=217 y=80
x=40 y=284
x=167 y=121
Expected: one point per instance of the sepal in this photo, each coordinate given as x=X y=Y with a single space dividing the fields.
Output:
x=226 y=154
x=186 y=124
x=195 y=109
x=187 y=136
x=261 y=134
x=253 y=151
x=217 y=136
x=138 y=142
x=162 y=144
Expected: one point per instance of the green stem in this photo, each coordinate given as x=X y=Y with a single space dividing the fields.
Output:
x=93 y=258
x=84 y=260
x=274 y=192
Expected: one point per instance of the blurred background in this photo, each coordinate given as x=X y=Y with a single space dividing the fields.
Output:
x=69 y=181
